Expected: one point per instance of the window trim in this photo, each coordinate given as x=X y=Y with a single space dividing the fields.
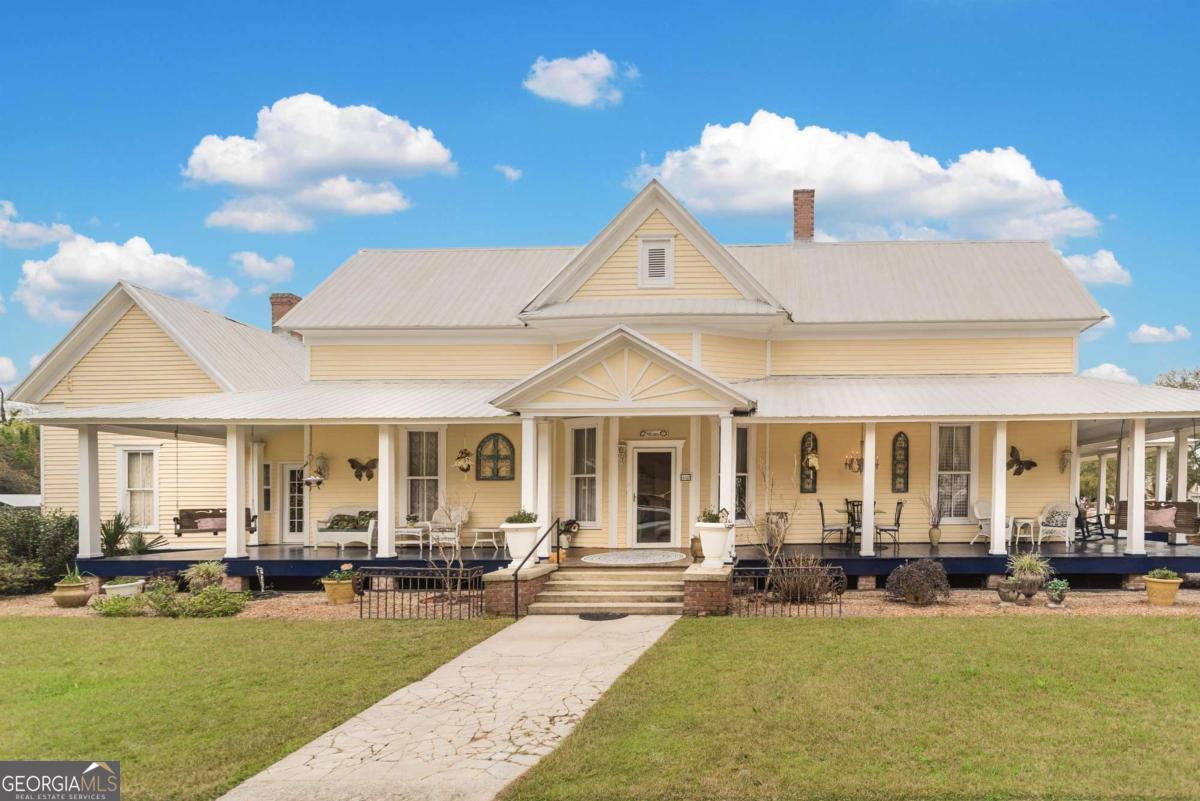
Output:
x=570 y=476
x=972 y=472
x=122 y=455
x=403 y=460
x=266 y=487
x=645 y=242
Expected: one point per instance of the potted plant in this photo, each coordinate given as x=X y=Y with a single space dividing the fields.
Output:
x=713 y=530
x=71 y=590
x=520 y=535
x=934 y=507
x=1056 y=593
x=339 y=585
x=1031 y=572
x=124 y=585
x=1009 y=590
x=1162 y=585
x=568 y=530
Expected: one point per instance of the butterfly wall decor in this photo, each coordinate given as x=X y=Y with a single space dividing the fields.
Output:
x=1018 y=465
x=364 y=469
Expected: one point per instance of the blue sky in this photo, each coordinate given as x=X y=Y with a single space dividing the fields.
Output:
x=1070 y=121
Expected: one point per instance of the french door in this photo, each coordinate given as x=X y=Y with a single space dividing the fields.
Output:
x=292 y=519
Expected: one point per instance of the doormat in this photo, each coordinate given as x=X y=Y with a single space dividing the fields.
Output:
x=628 y=558
x=596 y=617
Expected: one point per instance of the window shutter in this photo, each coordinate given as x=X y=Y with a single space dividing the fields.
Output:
x=656 y=263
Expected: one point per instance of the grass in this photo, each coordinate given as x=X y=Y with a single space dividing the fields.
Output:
x=1101 y=708
x=192 y=707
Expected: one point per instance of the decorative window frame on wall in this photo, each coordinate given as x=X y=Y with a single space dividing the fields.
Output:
x=808 y=476
x=496 y=458
x=901 y=458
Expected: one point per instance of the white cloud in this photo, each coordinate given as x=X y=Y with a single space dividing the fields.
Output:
x=1153 y=334
x=590 y=80
x=308 y=155
x=1101 y=267
x=61 y=287
x=15 y=233
x=36 y=359
x=867 y=185
x=8 y=370
x=510 y=173
x=1099 y=329
x=264 y=271
x=2 y=306
x=1110 y=372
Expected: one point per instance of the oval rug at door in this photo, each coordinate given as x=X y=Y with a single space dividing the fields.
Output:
x=627 y=558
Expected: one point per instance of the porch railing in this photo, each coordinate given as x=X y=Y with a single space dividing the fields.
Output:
x=556 y=529
x=788 y=591
x=452 y=592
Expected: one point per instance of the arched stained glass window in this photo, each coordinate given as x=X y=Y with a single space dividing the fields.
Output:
x=495 y=459
x=900 y=462
x=808 y=462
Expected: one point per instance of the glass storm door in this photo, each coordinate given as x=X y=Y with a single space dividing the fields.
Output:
x=654 y=480
x=293 y=507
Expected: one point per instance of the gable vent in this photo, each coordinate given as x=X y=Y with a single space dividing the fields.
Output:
x=656 y=263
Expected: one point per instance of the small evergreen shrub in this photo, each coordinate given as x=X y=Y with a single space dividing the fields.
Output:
x=521 y=517
x=20 y=576
x=120 y=605
x=921 y=583
x=50 y=540
x=214 y=601
x=203 y=575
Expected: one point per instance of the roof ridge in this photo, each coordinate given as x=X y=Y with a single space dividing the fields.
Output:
x=470 y=248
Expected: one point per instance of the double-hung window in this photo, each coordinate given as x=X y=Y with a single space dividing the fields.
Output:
x=741 y=474
x=138 y=487
x=584 y=478
x=423 y=473
x=952 y=470
x=265 y=504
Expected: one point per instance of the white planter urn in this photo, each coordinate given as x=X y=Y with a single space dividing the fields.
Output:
x=714 y=539
x=131 y=588
x=520 y=539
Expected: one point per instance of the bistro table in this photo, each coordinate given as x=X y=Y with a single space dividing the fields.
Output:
x=848 y=545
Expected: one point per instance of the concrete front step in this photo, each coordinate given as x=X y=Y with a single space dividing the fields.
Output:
x=573 y=596
x=613 y=574
x=623 y=608
x=613 y=586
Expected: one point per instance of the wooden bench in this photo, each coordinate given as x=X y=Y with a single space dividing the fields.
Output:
x=1187 y=519
x=208 y=521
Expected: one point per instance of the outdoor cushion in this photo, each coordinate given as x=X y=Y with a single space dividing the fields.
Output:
x=1057 y=518
x=1160 y=518
x=363 y=521
x=210 y=523
x=343 y=523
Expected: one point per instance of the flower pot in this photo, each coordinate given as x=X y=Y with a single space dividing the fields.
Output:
x=1029 y=586
x=69 y=595
x=1056 y=600
x=129 y=588
x=520 y=539
x=339 y=592
x=714 y=538
x=1160 y=592
x=935 y=536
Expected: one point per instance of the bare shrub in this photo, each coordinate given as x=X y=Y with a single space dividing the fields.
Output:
x=920 y=583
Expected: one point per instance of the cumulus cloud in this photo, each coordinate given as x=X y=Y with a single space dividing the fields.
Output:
x=36 y=359
x=510 y=173
x=1099 y=329
x=16 y=233
x=309 y=155
x=1153 y=334
x=8 y=370
x=264 y=271
x=1101 y=267
x=589 y=80
x=1110 y=372
x=868 y=186
x=61 y=287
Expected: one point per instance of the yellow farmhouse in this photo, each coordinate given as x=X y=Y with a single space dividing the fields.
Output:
x=626 y=385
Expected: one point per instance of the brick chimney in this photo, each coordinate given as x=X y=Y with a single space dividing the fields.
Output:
x=281 y=304
x=802 y=214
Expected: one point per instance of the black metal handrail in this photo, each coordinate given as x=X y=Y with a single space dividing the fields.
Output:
x=556 y=527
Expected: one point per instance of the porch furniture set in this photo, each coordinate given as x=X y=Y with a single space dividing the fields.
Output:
x=843 y=534
x=350 y=525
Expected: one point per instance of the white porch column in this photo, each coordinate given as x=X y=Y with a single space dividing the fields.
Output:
x=726 y=478
x=1102 y=483
x=1136 y=542
x=385 y=526
x=1074 y=467
x=1160 y=475
x=89 y=493
x=868 y=491
x=1181 y=465
x=256 y=486
x=529 y=464
x=544 y=493
x=1123 y=470
x=235 y=492
x=999 y=541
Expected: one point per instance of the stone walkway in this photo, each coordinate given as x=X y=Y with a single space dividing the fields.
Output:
x=470 y=727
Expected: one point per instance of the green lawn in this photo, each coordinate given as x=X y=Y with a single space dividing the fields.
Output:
x=191 y=707
x=1099 y=708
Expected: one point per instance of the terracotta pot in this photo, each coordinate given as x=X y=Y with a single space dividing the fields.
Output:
x=71 y=595
x=339 y=592
x=714 y=537
x=1161 y=592
x=935 y=536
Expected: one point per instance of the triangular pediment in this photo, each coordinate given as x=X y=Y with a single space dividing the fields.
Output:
x=621 y=371
x=607 y=267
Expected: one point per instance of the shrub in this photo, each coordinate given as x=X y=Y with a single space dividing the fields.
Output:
x=1163 y=573
x=50 y=540
x=521 y=516
x=798 y=579
x=921 y=582
x=214 y=601
x=136 y=542
x=161 y=596
x=1030 y=564
x=203 y=575
x=19 y=576
x=120 y=605
x=112 y=532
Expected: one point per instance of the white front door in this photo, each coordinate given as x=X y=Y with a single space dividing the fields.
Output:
x=654 y=502
x=292 y=518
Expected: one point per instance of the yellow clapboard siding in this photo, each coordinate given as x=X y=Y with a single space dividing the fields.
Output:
x=490 y=501
x=917 y=356
x=733 y=358
x=354 y=362
x=678 y=342
x=695 y=276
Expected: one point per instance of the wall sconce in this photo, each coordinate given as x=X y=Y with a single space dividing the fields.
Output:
x=622 y=448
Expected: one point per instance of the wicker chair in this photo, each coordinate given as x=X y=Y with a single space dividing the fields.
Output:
x=1057 y=520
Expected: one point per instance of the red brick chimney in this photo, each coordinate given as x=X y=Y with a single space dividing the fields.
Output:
x=281 y=304
x=802 y=214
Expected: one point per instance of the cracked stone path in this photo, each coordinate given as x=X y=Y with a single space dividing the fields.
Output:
x=470 y=727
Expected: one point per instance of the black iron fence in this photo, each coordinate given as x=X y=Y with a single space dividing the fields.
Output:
x=788 y=591
x=451 y=592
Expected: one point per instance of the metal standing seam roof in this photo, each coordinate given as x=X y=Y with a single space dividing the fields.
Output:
x=248 y=358
x=972 y=397
x=637 y=307
x=344 y=401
